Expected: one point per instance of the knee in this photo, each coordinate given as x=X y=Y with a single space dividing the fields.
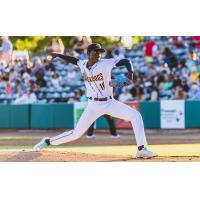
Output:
x=136 y=116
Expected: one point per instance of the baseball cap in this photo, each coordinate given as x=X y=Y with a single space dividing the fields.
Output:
x=95 y=47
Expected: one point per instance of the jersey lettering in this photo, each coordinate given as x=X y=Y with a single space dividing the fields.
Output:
x=98 y=77
x=102 y=86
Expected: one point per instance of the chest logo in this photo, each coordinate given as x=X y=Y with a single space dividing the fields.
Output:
x=98 y=77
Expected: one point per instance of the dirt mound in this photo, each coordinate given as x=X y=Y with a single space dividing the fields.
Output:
x=58 y=156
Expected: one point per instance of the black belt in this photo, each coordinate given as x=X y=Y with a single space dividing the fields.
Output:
x=100 y=99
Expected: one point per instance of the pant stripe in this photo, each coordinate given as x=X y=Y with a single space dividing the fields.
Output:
x=61 y=137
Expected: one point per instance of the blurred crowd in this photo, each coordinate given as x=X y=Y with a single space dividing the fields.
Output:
x=164 y=68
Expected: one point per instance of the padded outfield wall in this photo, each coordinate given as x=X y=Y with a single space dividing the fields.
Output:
x=61 y=115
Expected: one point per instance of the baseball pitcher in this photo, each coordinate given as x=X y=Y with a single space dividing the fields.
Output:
x=97 y=78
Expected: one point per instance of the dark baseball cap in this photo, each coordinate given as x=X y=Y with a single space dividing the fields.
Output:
x=95 y=47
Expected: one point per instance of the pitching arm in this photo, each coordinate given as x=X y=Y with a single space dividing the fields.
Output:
x=69 y=59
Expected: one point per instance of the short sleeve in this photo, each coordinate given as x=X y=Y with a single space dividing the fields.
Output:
x=81 y=63
x=112 y=62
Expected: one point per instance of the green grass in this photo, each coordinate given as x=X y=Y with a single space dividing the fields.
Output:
x=20 y=137
x=124 y=150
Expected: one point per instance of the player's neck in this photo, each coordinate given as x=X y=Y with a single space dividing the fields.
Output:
x=91 y=62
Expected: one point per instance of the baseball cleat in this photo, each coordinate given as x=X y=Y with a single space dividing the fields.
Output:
x=90 y=136
x=145 y=153
x=42 y=144
x=115 y=136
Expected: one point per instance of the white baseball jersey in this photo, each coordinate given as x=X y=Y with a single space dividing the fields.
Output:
x=97 y=78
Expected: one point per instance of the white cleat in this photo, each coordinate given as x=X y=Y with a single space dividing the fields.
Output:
x=90 y=136
x=42 y=144
x=145 y=153
x=115 y=136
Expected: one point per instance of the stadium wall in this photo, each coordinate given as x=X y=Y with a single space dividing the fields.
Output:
x=61 y=115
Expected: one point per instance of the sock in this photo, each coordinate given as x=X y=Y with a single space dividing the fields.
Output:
x=47 y=141
x=140 y=147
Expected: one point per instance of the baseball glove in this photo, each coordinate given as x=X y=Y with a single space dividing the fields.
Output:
x=120 y=81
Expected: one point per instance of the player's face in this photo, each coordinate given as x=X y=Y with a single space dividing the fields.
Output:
x=95 y=56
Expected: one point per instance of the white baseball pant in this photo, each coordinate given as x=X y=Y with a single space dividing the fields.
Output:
x=94 y=110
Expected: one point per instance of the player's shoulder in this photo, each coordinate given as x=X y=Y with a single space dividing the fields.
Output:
x=107 y=60
x=110 y=61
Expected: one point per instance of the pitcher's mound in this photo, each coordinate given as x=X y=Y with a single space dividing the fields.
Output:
x=60 y=156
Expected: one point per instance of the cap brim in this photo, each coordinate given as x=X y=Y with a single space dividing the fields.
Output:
x=100 y=50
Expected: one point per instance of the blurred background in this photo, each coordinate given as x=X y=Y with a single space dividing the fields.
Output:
x=165 y=67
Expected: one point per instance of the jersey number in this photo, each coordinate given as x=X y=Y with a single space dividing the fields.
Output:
x=102 y=86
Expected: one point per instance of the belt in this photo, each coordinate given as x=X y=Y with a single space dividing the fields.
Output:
x=100 y=99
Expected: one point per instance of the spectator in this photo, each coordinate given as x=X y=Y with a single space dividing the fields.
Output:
x=178 y=41
x=6 y=49
x=151 y=93
x=185 y=85
x=3 y=82
x=40 y=81
x=49 y=66
x=26 y=75
x=24 y=64
x=170 y=58
x=56 y=81
x=8 y=89
x=194 y=93
x=12 y=75
x=125 y=96
x=165 y=85
x=163 y=65
x=182 y=69
x=2 y=66
x=176 y=81
x=196 y=41
x=137 y=92
x=19 y=87
x=151 y=71
x=31 y=97
x=21 y=98
x=24 y=98
x=150 y=50
x=38 y=66
x=179 y=93
x=194 y=75
x=72 y=77
x=190 y=60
